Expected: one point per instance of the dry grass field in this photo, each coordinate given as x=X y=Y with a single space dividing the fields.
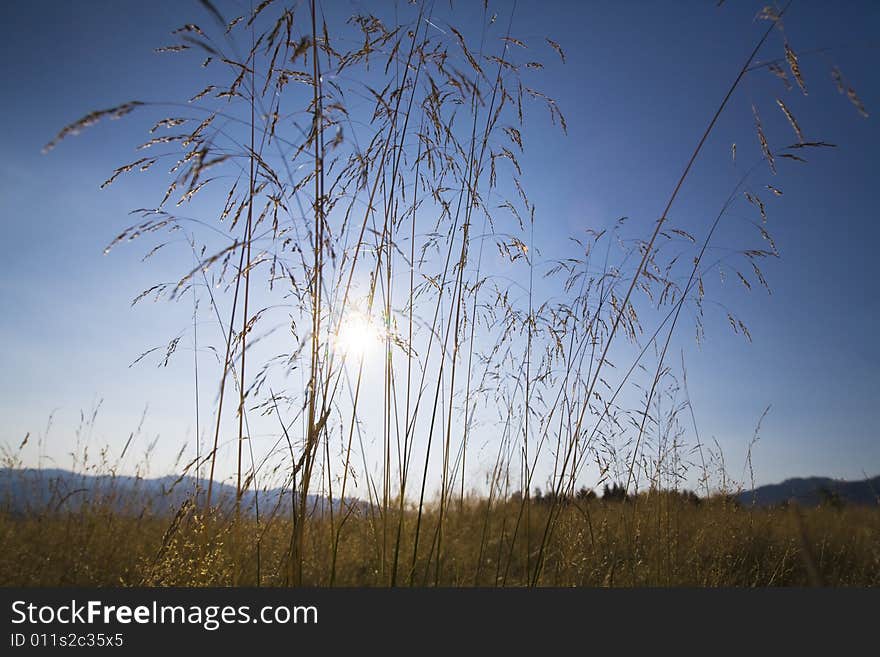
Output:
x=356 y=244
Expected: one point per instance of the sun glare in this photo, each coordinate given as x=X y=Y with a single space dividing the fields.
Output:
x=358 y=336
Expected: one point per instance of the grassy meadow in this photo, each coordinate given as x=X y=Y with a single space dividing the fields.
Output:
x=653 y=540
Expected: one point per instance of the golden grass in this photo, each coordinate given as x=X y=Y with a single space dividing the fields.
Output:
x=356 y=189
x=658 y=541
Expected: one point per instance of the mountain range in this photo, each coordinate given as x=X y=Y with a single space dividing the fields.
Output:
x=28 y=490
x=813 y=491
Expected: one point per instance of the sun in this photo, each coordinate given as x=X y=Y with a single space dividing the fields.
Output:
x=358 y=336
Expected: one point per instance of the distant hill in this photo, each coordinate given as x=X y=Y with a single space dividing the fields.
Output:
x=30 y=490
x=34 y=491
x=813 y=491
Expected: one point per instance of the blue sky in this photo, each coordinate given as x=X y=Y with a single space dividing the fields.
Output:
x=640 y=83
